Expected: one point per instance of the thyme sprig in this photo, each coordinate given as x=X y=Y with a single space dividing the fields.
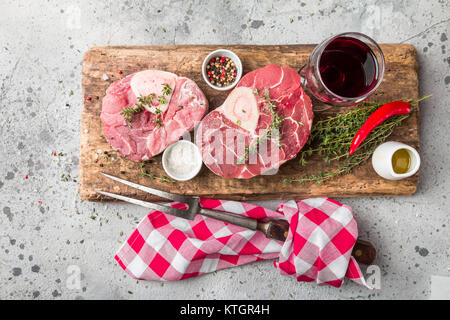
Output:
x=274 y=127
x=166 y=89
x=128 y=113
x=331 y=138
x=143 y=101
x=274 y=115
x=158 y=122
x=162 y=99
x=145 y=173
x=146 y=100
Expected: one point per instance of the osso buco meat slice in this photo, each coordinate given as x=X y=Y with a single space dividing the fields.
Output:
x=147 y=111
x=263 y=123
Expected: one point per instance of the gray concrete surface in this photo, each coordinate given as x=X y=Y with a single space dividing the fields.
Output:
x=41 y=49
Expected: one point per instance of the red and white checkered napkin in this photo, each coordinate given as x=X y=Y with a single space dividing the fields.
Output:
x=318 y=248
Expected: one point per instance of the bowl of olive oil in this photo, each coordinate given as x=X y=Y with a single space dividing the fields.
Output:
x=395 y=160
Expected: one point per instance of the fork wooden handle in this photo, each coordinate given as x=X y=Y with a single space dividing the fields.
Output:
x=363 y=251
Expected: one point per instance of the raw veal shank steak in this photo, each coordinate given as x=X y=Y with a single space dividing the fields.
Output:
x=162 y=122
x=234 y=139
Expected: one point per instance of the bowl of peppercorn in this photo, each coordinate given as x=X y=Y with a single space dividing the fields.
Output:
x=222 y=69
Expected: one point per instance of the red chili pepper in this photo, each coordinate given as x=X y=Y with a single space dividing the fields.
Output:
x=120 y=71
x=88 y=98
x=380 y=115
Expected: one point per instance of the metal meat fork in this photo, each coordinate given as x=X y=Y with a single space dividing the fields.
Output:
x=276 y=229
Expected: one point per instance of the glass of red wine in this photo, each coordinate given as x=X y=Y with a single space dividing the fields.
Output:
x=344 y=69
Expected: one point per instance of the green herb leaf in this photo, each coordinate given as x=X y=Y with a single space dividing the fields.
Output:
x=166 y=89
x=128 y=113
x=158 y=123
x=162 y=100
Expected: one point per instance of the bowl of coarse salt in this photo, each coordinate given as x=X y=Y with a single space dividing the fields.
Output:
x=182 y=160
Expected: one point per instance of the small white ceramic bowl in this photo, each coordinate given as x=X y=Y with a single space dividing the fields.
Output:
x=195 y=170
x=382 y=160
x=219 y=53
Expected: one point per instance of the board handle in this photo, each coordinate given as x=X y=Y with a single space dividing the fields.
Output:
x=363 y=251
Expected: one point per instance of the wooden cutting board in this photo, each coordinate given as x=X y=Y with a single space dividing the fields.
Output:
x=400 y=81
